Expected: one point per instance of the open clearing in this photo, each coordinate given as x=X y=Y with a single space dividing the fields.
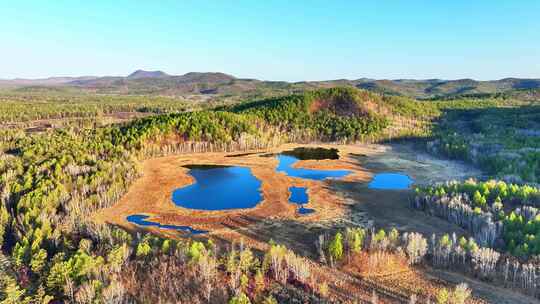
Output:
x=151 y=194
x=338 y=203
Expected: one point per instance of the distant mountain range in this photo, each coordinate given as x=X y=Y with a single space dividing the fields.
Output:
x=18 y=82
x=158 y=82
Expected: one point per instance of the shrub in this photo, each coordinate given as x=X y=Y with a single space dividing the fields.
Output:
x=335 y=248
x=240 y=299
x=442 y=296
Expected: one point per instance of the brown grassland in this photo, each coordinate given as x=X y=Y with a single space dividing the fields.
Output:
x=347 y=201
x=151 y=194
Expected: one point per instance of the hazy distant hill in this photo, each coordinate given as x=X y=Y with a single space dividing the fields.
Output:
x=143 y=82
x=51 y=81
x=147 y=74
x=158 y=82
x=440 y=88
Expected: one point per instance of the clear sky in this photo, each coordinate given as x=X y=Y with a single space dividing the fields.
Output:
x=273 y=40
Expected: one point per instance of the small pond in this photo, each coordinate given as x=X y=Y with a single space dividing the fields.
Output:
x=286 y=163
x=219 y=188
x=391 y=181
x=140 y=219
x=300 y=197
x=303 y=210
x=287 y=159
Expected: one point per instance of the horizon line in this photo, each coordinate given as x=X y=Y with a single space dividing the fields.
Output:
x=266 y=80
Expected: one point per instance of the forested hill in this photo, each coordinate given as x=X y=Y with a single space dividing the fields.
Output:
x=336 y=114
x=438 y=88
x=330 y=113
x=340 y=113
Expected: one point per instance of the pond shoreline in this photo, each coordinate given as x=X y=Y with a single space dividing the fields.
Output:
x=151 y=193
x=334 y=201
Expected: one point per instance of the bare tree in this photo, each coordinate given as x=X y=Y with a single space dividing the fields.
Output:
x=416 y=247
x=484 y=261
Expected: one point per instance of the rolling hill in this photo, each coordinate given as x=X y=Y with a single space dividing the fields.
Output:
x=147 y=74
x=215 y=83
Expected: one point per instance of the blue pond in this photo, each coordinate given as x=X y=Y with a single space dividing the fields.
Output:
x=219 y=188
x=300 y=197
x=303 y=210
x=140 y=219
x=235 y=187
x=286 y=162
x=390 y=181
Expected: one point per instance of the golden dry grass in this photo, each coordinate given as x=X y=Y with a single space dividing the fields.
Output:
x=151 y=194
x=391 y=272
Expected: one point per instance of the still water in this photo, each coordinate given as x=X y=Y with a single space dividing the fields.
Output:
x=219 y=188
x=391 y=181
x=286 y=163
x=235 y=187
x=140 y=219
x=300 y=197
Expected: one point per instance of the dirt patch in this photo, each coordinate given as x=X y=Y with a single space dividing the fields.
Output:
x=422 y=167
x=390 y=208
x=339 y=106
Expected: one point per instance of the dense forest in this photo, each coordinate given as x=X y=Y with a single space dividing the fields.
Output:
x=18 y=107
x=340 y=114
x=498 y=135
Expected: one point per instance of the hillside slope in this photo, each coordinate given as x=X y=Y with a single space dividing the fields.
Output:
x=334 y=114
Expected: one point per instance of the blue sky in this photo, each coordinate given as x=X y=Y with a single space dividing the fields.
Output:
x=272 y=40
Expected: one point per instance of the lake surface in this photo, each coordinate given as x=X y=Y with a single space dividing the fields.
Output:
x=140 y=219
x=391 y=181
x=286 y=162
x=300 y=197
x=304 y=210
x=219 y=188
